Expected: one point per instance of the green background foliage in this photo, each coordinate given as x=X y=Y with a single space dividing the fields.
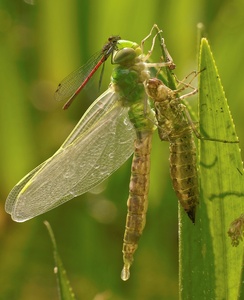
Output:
x=39 y=45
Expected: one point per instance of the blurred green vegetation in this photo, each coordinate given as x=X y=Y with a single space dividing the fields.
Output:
x=39 y=45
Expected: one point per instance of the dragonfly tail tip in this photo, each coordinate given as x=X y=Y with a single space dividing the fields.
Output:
x=125 y=274
x=191 y=215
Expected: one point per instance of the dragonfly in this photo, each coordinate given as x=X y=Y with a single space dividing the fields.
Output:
x=118 y=123
x=71 y=85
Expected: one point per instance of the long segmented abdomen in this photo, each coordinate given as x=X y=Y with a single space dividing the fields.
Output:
x=183 y=171
x=174 y=127
x=138 y=200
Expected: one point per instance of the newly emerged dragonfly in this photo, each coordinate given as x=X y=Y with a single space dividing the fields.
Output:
x=119 y=122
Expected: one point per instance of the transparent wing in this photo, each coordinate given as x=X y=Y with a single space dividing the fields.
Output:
x=100 y=143
x=69 y=85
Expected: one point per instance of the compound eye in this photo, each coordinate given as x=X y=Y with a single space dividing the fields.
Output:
x=124 y=55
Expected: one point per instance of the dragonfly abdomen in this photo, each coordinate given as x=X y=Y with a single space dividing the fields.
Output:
x=138 y=201
x=183 y=171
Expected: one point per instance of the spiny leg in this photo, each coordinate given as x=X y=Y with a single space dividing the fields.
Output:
x=186 y=112
x=148 y=36
x=168 y=60
x=168 y=57
x=186 y=85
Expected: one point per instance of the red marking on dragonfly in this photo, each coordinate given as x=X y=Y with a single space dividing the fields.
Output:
x=71 y=85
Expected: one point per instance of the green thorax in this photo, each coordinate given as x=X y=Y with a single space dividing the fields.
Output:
x=128 y=81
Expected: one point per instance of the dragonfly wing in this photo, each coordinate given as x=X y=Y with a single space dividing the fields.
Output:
x=10 y=202
x=69 y=85
x=86 y=158
x=95 y=112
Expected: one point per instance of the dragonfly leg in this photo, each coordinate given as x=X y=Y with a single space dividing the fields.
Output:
x=186 y=85
x=168 y=59
x=186 y=112
x=155 y=26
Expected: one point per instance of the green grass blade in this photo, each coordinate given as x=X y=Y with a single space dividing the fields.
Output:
x=210 y=267
x=64 y=288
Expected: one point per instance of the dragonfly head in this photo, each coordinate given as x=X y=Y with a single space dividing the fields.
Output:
x=124 y=56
